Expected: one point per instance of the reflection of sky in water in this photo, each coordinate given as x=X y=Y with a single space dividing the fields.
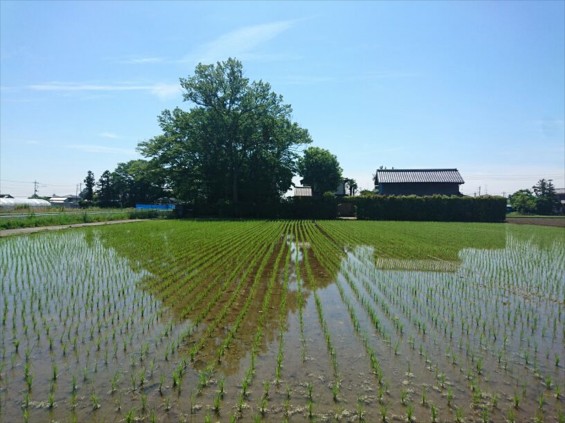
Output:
x=296 y=254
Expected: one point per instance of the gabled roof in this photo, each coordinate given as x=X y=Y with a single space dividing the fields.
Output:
x=399 y=176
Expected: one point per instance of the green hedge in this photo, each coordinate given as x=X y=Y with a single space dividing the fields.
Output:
x=308 y=208
x=430 y=208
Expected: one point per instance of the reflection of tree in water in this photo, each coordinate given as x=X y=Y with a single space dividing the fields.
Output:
x=212 y=291
x=415 y=246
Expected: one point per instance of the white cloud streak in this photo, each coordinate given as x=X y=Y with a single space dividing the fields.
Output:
x=242 y=43
x=110 y=135
x=160 y=90
x=142 y=60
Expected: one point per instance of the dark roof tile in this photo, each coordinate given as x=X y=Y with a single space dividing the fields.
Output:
x=396 y=176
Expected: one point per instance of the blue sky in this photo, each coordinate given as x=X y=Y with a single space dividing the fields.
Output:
x=477 y=86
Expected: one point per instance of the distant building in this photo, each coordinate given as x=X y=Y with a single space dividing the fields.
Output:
x=303 y=191
x=68 y=201
x=306 y=191
x=418 y=182
x=340 y=191
x=560 y=194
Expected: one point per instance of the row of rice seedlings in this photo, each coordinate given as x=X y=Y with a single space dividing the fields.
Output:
x=249 y=374
x=188 y=267
x=298 y=262
x=319 y=246
x=366 y=335
x=252 y=265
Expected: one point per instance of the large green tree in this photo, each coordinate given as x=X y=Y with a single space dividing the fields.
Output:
x=89 y=183
x=236 y=144
x=546 y=198
x=523 y=201
x=105 y=194
x=319 y=169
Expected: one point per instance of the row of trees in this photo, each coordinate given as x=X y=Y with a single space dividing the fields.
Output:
x=541 y=199
x=237 y=145
x=133 y=182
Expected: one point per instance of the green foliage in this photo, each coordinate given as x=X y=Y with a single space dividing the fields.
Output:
x=546 y=198
x=319 y=169
x=543 y=200
x=89 y=182
x=234 y=148
x=523 y=201
x=430 y=208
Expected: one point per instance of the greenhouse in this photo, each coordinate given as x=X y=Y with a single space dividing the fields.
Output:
x=12 y=203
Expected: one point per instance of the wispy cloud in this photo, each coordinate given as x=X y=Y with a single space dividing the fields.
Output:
x=102 y=149
x=241 y=43
x=110 y=135
x=307 y=79
x=142 y=60
x=160 y=90
x=298 y=79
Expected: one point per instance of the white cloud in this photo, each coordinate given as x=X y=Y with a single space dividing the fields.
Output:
x=161 y=90
x=110 y=135
x=241 y=43
x=142 y=60
x=101 y=149
x=165 y=91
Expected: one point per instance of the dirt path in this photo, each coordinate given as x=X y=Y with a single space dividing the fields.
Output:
x=544 y=221
x=24 y=231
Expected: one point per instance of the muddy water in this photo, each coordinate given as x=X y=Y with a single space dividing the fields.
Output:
x=481 y=338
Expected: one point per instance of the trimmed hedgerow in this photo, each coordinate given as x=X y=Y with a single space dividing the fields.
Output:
x=430 y=208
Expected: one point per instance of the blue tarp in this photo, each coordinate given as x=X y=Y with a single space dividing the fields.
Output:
x=154 y=206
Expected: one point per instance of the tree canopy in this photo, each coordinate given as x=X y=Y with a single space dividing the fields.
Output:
x=237 y=143
x=319 y=169
x=89 y=183
x=543 y=199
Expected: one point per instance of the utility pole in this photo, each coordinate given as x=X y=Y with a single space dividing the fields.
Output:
x=35 y=185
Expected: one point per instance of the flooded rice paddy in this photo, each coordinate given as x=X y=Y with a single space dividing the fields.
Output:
x=284 y=321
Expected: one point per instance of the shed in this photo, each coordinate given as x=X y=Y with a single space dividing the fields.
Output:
x=418 y=181
x=303 y=191
x=71 y=201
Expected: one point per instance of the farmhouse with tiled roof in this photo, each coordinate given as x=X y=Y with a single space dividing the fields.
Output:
x=418 y=181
